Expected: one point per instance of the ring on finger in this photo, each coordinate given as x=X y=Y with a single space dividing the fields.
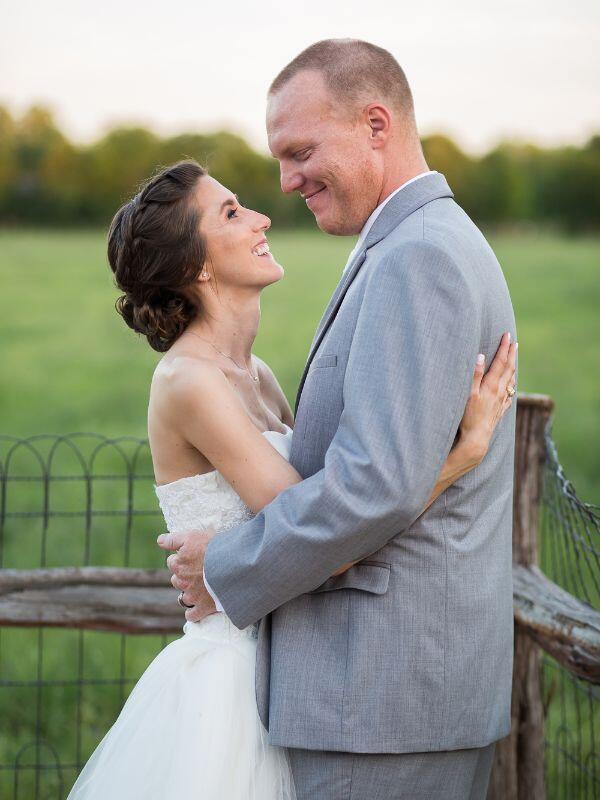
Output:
x=181 y=602
x=510 y=390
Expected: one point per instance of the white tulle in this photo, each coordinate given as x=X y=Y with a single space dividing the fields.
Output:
x=190 y=728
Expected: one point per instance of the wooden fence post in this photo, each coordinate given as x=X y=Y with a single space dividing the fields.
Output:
x=518 y=771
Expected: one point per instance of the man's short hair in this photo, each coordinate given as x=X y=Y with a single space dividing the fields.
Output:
x=353 y=70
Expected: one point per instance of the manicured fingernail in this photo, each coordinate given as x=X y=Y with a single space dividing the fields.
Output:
x=516 y=345
x=509 y=336
x=480 y=358
x=161 y=538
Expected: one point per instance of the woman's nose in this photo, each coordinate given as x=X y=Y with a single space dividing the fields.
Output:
x=263 y=223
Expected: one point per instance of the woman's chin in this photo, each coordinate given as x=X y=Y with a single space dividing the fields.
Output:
x=271 y=273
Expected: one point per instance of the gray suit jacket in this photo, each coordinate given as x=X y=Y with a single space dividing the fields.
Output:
x=411 y=649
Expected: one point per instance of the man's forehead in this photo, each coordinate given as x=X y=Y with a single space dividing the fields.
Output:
x=293 y=117
x=285 y=139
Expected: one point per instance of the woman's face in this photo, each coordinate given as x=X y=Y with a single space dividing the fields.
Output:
x=238 y=253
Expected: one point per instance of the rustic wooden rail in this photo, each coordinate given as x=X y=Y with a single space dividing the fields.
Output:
x=144 y=601
x=563 y=626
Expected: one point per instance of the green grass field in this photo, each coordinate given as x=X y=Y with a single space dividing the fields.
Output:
x=70 y=364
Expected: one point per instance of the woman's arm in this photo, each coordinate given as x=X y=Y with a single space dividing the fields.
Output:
x=487 y=404
x=213 y=419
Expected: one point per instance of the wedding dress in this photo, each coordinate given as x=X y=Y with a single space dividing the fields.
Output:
x=190 y=728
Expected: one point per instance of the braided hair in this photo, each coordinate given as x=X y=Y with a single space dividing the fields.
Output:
x=155 y=251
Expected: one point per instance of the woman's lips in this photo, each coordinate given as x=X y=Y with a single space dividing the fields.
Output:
x=261 y=249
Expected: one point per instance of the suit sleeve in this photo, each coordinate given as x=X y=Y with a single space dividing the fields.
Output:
x=406 y=385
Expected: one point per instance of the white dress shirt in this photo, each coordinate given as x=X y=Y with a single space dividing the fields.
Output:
x=211 y=593
x=362 y=236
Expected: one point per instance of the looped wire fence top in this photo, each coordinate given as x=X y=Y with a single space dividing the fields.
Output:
x=76 y=499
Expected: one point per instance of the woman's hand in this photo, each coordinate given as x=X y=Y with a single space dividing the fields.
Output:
x=487 y=404
x=488 y=401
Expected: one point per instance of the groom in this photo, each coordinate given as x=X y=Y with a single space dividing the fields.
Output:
x=392 y=679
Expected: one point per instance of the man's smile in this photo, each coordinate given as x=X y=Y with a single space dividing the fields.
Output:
x=309 y=197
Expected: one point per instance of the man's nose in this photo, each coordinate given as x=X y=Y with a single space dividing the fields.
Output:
x=291 y=180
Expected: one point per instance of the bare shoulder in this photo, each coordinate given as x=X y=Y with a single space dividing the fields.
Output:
x=184 y=379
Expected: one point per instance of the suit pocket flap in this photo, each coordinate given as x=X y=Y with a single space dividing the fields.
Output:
x=329 y=360
x=368 y=576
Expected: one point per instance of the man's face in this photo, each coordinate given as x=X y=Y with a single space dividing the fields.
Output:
x=324 y=153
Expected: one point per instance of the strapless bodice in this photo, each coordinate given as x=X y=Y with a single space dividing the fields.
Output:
x=201 y=501
x=205 y=501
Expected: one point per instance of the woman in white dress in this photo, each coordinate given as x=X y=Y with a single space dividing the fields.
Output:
x=192 y=263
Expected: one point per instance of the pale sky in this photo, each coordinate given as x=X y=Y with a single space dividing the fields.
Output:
x=480 y=71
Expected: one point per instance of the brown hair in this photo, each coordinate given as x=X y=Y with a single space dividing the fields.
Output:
x=155 y=251
x=352 y=68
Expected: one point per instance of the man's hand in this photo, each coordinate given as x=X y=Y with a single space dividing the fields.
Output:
x=187 y=566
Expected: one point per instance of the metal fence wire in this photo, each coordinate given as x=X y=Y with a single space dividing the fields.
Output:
x=85 y=499
x=570 y=556
x=76 y=500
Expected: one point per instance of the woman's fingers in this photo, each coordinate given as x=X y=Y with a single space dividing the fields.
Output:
x=478 y=373
x=511 y=366
x=505 y=406
x=508 y=376
x=498 y=365
x=508 y=379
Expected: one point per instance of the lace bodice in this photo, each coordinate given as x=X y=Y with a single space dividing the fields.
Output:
x=201 y=501
x=207 y=500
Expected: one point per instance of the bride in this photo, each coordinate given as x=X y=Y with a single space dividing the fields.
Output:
x=192 y=263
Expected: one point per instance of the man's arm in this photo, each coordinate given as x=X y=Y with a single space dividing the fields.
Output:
x=406 y=385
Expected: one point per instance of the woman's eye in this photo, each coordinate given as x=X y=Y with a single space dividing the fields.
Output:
x=232 y=213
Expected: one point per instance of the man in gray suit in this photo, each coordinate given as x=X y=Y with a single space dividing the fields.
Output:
x=392 y=679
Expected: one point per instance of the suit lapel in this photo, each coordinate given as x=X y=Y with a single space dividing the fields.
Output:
x=330 y=312
x=404 y=203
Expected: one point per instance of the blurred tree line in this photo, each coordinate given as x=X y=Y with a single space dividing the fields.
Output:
x=47 y=180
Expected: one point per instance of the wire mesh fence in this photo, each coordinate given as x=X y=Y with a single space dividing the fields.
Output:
x=570 y=556
x=84 y=499
x=73 y=500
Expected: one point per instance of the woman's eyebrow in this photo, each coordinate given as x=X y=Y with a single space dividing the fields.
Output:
x=229 y=202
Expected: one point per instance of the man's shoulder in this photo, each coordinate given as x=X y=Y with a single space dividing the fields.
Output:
x=439 y=231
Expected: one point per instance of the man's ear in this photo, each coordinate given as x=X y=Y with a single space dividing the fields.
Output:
x=380 y=122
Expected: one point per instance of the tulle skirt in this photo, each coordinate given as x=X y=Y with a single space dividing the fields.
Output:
x=190 y=728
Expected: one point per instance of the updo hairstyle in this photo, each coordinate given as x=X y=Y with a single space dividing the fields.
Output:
x=156 y=252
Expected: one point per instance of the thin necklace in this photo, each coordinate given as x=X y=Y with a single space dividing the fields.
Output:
x=255 y=378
